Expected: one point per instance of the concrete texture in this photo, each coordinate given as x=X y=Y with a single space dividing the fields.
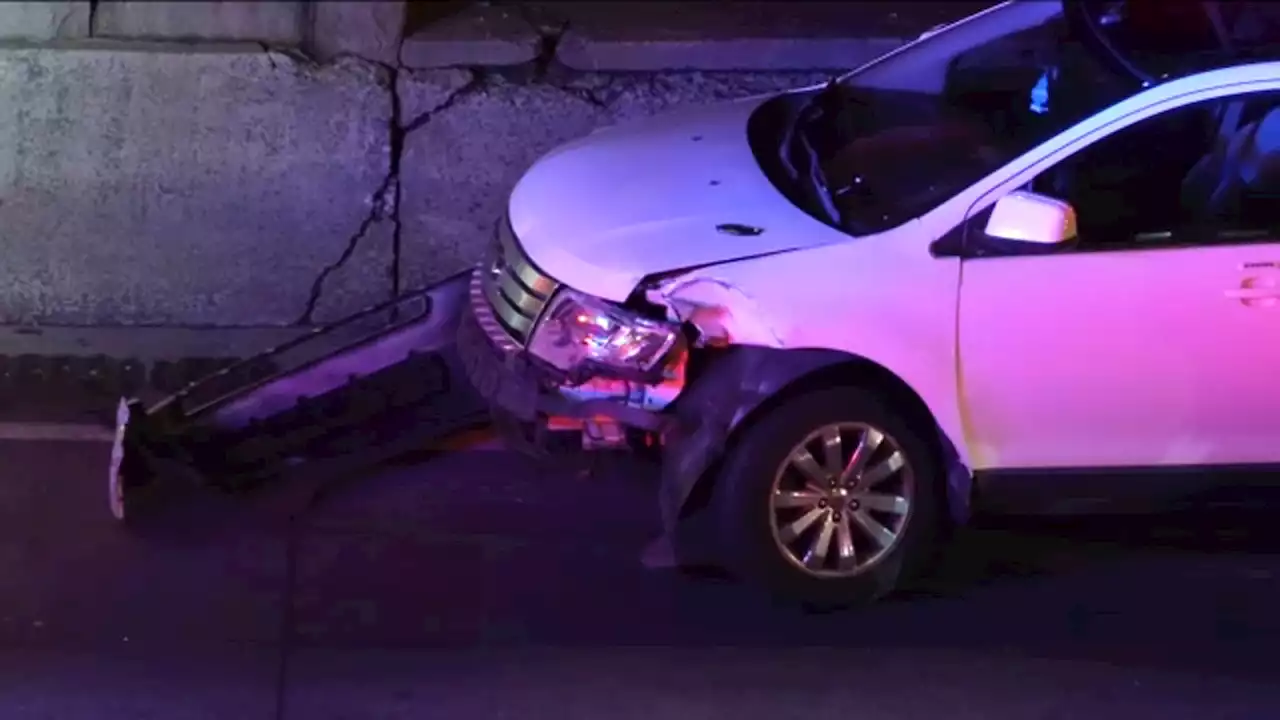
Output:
x=666 y=36
x=582 y=52
x=275 y=21
x=423 y=92
x=44 y=20
x=188 y=187
x=365 y=272
x=669 y=36
x=370 y=30
x=479 y=35
x=460 y=163
x=754 y=36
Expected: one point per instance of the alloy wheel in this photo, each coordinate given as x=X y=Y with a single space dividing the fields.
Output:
x=841 y=500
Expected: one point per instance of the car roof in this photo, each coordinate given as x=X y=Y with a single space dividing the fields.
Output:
x=1240 y=73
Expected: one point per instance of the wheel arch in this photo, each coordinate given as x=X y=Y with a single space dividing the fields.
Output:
x=780 y=375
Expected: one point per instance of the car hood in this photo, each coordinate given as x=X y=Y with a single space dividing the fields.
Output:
x=602 y=213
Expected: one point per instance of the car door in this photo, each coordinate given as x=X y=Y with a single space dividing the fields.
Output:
x=1155 y=340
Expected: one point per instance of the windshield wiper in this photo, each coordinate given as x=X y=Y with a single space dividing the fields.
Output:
x=804 y=116
x=817 y=181
x=806 y=169
x=823 y=104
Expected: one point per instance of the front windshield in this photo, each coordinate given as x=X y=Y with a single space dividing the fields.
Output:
x=892 y=141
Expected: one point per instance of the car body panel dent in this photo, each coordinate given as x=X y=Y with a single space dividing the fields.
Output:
x=738 y=382
x=857 y=299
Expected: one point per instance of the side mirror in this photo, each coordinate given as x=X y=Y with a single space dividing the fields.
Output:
x=1030 y=218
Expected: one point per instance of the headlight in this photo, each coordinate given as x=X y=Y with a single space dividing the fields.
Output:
x=577 y=328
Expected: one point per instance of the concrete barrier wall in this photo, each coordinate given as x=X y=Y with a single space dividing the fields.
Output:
x=198 y=184
x=202 y=188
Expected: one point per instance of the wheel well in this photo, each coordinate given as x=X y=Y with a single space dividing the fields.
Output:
x=855 y=371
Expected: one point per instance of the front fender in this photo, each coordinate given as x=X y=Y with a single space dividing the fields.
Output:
x=736 y=382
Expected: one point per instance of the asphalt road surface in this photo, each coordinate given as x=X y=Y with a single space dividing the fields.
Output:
x=478 y=586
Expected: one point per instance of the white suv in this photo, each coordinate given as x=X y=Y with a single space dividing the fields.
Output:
x=1018 y=247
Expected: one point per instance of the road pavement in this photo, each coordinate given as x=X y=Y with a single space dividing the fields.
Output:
x=477 y=585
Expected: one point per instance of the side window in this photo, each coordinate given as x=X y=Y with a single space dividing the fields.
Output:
x=1202 y=173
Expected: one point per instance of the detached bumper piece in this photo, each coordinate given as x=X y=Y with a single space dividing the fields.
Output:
x=375 y=385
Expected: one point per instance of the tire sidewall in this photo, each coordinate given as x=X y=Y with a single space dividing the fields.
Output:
x=743 y=492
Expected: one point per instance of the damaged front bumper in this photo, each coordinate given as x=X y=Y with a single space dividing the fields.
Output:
x=375 y=385
x=528 y=391
x=692 y=417
x=539 y=399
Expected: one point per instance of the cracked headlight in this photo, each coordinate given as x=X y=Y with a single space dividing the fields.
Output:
x=577 y=328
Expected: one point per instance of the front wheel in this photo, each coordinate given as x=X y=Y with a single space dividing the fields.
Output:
x=831 y=498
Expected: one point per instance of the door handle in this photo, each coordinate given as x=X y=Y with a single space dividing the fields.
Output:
x=1253 y=293
x=1256 y=292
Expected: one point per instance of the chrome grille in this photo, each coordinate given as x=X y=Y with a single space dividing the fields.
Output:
x=514 y=287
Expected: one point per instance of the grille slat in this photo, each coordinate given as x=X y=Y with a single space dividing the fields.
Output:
x=525 y=302
x=516 y=290
x=521 y=268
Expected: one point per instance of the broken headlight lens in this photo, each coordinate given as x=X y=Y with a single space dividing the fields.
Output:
x=577 y=328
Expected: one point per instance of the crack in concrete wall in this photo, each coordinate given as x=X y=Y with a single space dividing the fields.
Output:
x=479 y=78
x=550 y=33
x=386 y=200
x=386 y=194
x=395 y=129
x=168 y=185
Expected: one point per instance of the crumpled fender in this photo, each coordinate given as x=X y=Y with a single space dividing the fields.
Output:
x=733 y=385
x=723 y=313
x=747 y=363
x=735 y=382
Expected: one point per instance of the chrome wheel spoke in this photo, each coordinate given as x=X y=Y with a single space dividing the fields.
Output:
x=803 y=461
x=829 y=518
x=792 y=530
x=817 y=555
x=892 y=504
x=867 y=444
x=882 y=535
x=832 y=451
x=793 y=499
x=882 y=470
x=847 y=554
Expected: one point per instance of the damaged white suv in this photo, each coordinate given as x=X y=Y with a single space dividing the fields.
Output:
x=1040 y=241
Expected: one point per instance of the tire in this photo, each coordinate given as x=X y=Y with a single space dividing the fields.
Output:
x=749 y=525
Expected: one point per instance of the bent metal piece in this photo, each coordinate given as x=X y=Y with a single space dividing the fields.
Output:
x=393 y=388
